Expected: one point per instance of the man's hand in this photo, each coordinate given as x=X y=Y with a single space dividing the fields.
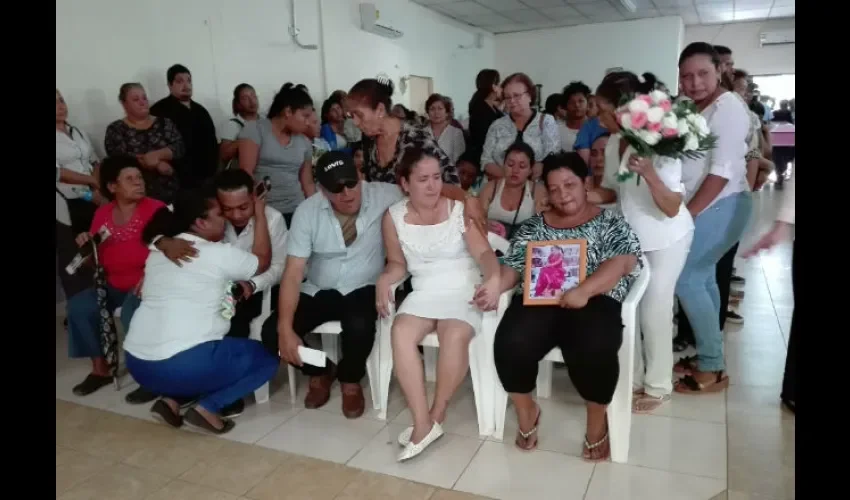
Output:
x=82 y=239
x=247 y=290
x=574 y=299
x=164 y=168
x=288 y=342
x=177 y=250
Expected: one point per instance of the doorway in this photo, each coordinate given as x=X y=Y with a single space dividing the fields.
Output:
x=421 y=87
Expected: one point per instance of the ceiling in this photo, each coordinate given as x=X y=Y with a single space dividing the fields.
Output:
x=505 y=16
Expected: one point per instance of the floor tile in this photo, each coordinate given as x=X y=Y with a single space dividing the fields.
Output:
x=371 y=486
x=678 y=445
x=455 y=495
x=562 y=426
x=322 y=435
x=235 y=468
x=395 y=406
x=755 y=365
x=74 y=467
x=118 y=482
x=461 y=416
x=259 y=420
x=301 y=477
x=441 y=465
x=629 y=482
x=504 y=472
x=181 y=490
x=705 y=407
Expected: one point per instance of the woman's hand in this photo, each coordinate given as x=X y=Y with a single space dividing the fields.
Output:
x=536 y=171
x=575 y=298
x=496 y=227
x=82 y=239
x=487 y=294
x=137 y=290
x=384 y=295
x=98 y=199
x=150 y=159
x=777 y=234
x=177 y=250
x=642 y=166
x=164 y=168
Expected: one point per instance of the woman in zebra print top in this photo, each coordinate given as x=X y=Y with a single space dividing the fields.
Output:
x=586 y=325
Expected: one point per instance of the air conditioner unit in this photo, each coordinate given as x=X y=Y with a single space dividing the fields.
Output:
x=371 y=21
x=777 y=37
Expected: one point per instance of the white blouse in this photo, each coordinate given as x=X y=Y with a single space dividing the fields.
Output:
x=74 y=151
x=451 y=141
x=540 y=133
x=729 y=120
x=655 y=230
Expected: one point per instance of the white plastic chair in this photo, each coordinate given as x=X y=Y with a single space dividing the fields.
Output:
x=620 y=409
x=482 y=367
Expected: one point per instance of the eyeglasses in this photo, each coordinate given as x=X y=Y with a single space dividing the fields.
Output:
x=514 y=97
x=338 y=188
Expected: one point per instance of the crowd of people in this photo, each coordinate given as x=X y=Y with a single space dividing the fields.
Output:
x=329 y=211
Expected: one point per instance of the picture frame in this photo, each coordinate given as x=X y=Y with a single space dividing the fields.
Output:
x=552 y=268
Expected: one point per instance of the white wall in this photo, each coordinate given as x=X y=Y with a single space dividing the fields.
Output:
x=101 y=44
x=743 y=39
x=554 y=57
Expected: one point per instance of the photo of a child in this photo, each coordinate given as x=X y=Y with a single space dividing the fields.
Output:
x=553 y=268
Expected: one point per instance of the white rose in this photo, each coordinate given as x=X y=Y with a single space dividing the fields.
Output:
x=702 y=125
x=658 y=96
x=648 y=137
x=692 y=143
x=655 y=114
x=670 y=121
x=683 y=127
x=638 y=106
x=626 y=121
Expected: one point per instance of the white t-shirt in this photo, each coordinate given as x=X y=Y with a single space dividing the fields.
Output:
x=654 y=229
x=729 y=120
x=74 y=152
x=568 y=136
x=451 y=141
x=181 y=306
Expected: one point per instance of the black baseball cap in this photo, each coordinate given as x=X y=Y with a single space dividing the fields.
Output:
x=335 y=169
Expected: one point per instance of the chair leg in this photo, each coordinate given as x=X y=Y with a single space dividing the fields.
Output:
x=331 y=346
x=385 y=367
x=261 y=395
x=373 y=372
x=431 y=355
x=293 y=382
x=482 y=390
x=544 y=379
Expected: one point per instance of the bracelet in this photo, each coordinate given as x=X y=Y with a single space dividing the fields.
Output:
x=253 y=286
x=156 y=239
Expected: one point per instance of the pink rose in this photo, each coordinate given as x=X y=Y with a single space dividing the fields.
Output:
x=645 y=98
x=666 y=105
x=669 y=132
x=654 y=127
x=639 y=120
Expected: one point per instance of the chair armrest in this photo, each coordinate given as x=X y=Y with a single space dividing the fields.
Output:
x=265 y=312
x=393 y=290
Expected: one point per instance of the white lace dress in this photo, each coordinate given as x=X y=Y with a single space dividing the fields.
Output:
x=443 y=272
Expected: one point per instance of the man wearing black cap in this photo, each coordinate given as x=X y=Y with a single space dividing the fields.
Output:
x=335 y=242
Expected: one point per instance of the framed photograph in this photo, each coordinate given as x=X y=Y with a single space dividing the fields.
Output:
x=551 y=268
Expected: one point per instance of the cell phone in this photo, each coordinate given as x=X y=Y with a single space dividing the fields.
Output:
x=263 y=187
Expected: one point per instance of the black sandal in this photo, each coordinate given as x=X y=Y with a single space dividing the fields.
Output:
x=91 y=383
x=195 y=419
x=163 y=412
x=689 y=384
x=686 y=364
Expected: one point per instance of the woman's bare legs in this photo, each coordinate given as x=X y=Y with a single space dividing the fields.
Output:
x=597 y=430
x=527 y=414
x=407 y=332
x=452 y=364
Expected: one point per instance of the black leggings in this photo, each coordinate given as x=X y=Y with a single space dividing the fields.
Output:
x=589 y=339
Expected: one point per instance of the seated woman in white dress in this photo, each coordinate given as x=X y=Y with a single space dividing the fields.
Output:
x=425 y=234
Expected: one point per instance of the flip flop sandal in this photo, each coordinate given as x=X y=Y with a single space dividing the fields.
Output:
x=689 y=385
x=195 y=419
x=589 y=447
x=525 y=436
x=645 y=403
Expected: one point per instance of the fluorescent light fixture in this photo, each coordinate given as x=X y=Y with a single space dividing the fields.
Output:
x=629 y=5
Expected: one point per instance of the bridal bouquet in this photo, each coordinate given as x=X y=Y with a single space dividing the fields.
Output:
x=653 y=125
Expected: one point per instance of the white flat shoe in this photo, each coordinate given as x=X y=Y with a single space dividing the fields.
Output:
x=413 y=449
x=404 y=437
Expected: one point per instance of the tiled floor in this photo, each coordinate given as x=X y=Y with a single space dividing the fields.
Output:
x=695 y=448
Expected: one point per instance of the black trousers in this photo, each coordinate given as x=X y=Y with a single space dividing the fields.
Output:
x=288 y=219
x=724 y=272
x=247 y=310
x=789 y=381
x=589 y=339
x=357 y=314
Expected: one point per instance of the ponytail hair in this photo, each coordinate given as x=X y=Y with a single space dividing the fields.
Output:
x=291 y=97
x=621 y=85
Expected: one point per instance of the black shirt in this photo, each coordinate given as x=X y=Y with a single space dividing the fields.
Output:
x=198 y=131
x=481 y=116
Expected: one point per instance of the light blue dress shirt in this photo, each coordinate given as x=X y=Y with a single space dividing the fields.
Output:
x=316 y=235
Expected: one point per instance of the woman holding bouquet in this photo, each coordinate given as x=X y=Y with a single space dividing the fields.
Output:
x=656 y=211
x=718 y=197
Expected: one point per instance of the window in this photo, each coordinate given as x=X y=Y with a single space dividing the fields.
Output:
x=778 y=87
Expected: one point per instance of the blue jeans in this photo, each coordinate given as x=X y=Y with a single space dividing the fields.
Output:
x=221 y=371
x=84 y=319
x=716 y=230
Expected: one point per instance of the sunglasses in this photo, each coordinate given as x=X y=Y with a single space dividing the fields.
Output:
x=338 y=188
